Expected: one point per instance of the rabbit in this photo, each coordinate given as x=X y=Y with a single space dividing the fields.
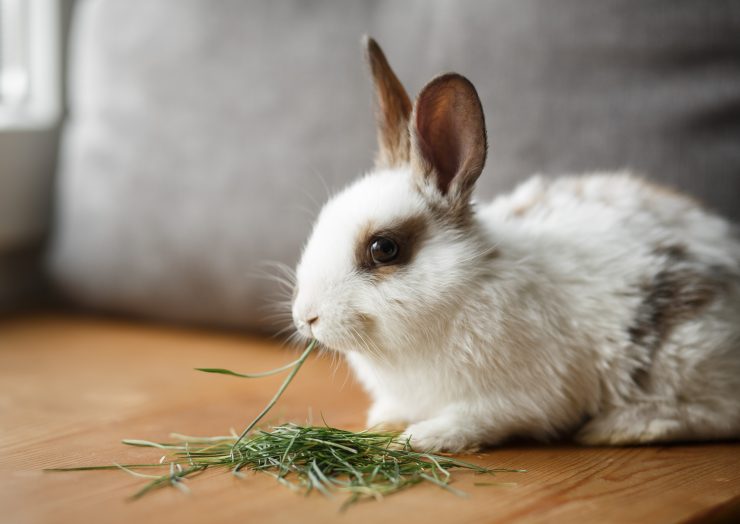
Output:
x=599 y=307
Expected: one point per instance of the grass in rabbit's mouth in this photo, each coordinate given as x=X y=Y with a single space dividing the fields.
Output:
x=363 y=465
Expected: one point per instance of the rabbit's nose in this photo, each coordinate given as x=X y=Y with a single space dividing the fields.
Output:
x=306 y=327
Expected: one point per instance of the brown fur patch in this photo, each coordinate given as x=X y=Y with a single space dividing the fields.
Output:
x=678 y=292
x=458 y=214
x=408 y=234
x=672 y=296
x=652 y=188
x=525 y=207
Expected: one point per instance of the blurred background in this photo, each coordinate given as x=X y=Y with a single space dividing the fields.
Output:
x=154 y=153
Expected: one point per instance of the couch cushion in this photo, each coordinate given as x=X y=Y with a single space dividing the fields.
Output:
x=203 y=136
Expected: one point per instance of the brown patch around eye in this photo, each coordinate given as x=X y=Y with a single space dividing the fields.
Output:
x=407 y=233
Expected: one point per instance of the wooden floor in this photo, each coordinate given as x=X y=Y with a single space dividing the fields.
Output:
x=71 y=388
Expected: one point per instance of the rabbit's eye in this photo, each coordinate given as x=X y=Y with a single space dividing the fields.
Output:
x=383 y=250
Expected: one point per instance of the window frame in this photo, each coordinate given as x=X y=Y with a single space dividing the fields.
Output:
x=34 y=27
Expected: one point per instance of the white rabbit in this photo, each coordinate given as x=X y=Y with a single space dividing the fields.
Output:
x=601 y=305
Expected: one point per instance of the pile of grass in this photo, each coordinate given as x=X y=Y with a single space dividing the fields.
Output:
x=362 y=465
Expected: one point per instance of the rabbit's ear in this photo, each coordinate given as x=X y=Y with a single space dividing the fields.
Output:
x=448 y=135
x=393 y=110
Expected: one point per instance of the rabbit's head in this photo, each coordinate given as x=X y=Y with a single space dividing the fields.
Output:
x=391 y=255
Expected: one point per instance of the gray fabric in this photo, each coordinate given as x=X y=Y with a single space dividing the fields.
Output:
x=203 y=135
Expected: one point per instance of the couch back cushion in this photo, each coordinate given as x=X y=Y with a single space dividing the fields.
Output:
x=203 y=136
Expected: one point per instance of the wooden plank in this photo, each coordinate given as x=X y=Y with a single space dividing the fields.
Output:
x=72 y=387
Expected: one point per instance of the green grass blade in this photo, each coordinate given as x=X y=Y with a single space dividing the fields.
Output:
x=280 y=391
x=276 y=371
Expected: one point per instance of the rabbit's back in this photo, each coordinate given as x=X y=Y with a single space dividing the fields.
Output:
x=616 y=206
x=653 y=279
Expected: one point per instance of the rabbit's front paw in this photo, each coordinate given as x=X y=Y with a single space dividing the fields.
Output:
x=385 y=418
x=439 y=434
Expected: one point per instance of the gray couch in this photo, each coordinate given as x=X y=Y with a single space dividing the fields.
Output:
x=204 y=135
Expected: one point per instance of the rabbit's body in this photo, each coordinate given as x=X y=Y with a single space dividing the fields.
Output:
x=599 y=304
x=607 y=300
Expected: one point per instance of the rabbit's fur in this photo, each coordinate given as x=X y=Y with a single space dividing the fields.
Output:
x=600 y=305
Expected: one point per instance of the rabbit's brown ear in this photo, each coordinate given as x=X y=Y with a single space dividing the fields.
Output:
x=393 y=111
x=448 y=135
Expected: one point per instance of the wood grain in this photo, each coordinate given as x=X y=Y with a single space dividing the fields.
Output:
x=72 y=387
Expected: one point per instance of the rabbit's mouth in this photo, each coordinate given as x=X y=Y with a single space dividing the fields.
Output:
x=346 y=334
